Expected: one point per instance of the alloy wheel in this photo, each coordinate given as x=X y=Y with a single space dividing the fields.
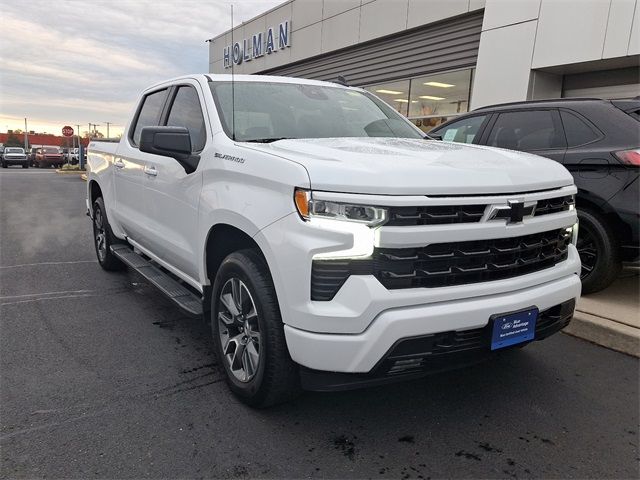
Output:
x=100 y=234
x=239 y=330
x=588 y=251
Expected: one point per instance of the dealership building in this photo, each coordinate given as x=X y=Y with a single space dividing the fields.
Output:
x=435 y=59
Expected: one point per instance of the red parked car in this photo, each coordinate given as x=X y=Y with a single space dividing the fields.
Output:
x=47 y=156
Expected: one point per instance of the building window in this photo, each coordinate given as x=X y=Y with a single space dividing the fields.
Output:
x=431 y=100
x=395 y=94
x=437 y=98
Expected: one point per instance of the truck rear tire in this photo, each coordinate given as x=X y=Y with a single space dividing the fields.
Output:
x=103 y=238
x=599 y=252
x=248 y=333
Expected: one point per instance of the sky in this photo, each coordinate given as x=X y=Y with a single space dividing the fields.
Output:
x=69 y=62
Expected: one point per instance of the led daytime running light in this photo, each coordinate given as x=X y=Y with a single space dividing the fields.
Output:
x=309 y=208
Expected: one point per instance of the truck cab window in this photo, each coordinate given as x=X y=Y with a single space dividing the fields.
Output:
x=271 y=110
x=149 y=115
x=186 y=112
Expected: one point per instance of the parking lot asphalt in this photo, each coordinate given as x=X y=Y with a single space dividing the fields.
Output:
x=100 y=376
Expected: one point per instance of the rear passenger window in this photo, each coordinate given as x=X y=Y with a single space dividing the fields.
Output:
x=576 y=130
x=527 y=130
x=186 y=112
x=149 y=115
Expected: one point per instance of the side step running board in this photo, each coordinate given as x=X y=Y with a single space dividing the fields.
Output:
x=183 y=297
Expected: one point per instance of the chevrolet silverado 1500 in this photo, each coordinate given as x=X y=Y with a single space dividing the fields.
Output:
x=328 y=243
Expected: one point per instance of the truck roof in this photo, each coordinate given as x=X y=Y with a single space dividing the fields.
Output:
x=211 y=77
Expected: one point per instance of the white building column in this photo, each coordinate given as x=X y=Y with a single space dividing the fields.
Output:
x=506 y=52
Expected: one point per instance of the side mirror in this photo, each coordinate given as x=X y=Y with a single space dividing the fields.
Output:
x=172 y=142
x=433 y=136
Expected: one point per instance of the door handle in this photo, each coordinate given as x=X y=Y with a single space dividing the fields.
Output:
x=119 y=164
x=150 y=170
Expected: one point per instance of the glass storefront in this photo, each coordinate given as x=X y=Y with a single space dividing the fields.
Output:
x=395 y=94
x=431 y=100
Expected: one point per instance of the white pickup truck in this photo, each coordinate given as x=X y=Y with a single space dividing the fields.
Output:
x=328 y=243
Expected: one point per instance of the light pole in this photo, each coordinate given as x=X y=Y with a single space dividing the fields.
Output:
x=26 y=138
x=80 y=148
x=108 y=123
x=95 y=126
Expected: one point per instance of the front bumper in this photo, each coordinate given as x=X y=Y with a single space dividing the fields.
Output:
x=362 y=352
x=15 y=161
x=416 y=357
x=49 y=161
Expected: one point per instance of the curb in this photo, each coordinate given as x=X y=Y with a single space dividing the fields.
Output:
x=70 y=172
x=607 y=333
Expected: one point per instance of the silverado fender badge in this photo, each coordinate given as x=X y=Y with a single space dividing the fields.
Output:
x=229 y=157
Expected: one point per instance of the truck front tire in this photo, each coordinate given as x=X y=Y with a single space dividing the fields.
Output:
x=248 y=332
x=103 y=238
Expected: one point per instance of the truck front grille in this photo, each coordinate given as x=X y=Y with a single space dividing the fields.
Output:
x=441 y=265
x=554 y=205
x=445 y=264
x=435 y=215
x=448 y=214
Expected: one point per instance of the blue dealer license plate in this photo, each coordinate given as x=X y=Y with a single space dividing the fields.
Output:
x=513 y=328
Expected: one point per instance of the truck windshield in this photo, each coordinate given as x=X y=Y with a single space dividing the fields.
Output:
x=269 y=111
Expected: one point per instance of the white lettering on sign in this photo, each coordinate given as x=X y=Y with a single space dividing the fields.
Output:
x=256 y=46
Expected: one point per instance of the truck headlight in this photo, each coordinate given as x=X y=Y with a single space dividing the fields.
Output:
x=308 y=208
x=357 y=220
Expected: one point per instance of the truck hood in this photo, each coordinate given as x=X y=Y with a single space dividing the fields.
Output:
x=397 y=166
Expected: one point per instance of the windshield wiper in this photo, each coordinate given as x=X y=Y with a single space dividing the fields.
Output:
x=268 y=140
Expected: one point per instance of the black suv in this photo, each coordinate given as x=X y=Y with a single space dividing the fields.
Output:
x=598 y=141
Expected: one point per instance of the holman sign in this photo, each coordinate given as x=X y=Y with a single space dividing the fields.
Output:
x=259 y=44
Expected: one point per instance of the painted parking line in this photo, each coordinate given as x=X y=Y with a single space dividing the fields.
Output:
x=22 y=265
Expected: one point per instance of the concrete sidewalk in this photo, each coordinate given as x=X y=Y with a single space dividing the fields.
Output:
x=611 y=318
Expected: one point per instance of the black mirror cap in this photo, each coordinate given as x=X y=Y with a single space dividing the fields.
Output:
x=433 y=136
x=172 y=142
